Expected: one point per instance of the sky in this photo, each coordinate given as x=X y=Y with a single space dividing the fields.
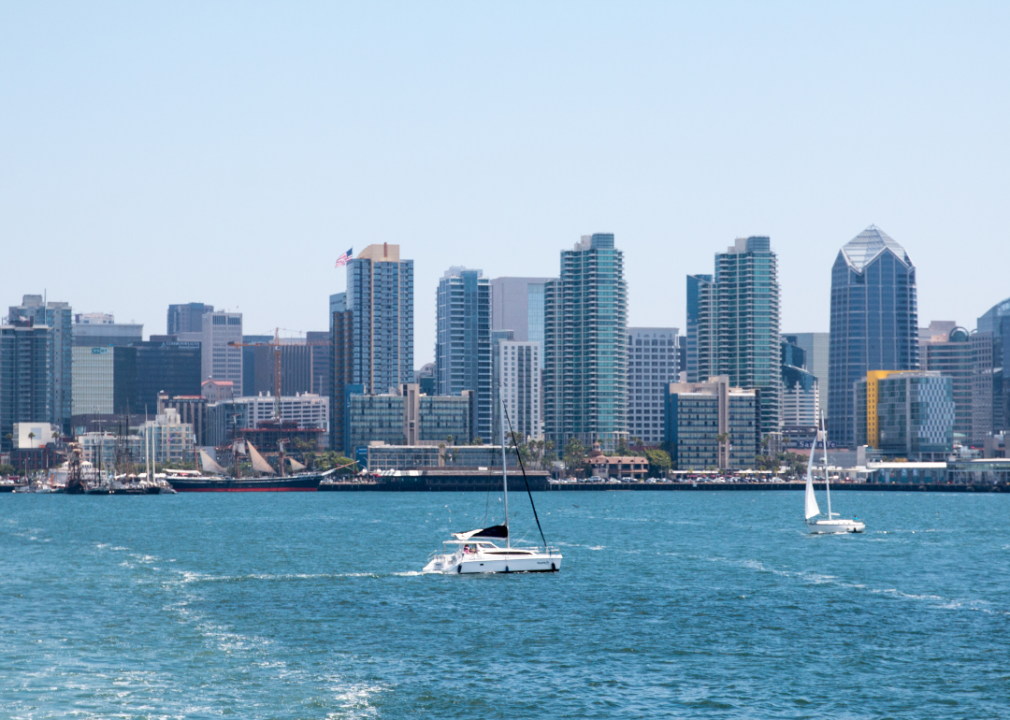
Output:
x=228 y=152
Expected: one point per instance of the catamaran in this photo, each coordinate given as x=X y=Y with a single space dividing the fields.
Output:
x=489 y=550
x=832 y=524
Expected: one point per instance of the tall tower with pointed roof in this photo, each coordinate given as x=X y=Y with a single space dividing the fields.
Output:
x=874 y=322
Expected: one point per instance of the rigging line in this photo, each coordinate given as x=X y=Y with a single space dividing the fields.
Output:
x=522 y=467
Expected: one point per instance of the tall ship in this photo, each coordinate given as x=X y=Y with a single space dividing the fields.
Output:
x=215 y=478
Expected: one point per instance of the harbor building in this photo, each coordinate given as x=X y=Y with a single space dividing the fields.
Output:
x=59 y=317
x=26 y=377
x=484 y=458
x=733 y=324
x=800 y=388
x=950 y=353
x=909 y=413
x=586 y=346
x=517 y=304
x=652 y=365
x=816 y=347
x=711 y=425
x=874 y=322
x=517 y=382
x=186 y=318
x=463 y=341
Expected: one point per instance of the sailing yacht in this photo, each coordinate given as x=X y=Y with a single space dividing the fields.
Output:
x=832 y=524
x=489 y=550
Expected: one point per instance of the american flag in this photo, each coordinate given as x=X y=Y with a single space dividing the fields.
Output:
x=342 y=260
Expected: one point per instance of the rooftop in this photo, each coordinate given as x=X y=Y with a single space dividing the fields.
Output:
x=867 y=245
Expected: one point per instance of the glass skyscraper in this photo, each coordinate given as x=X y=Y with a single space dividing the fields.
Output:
x=59 y=317
x=585 y=342
x=463 y=342
x=733 y=325
x=874 y=322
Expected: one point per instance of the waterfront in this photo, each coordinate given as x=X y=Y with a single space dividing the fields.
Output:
x=696 y=604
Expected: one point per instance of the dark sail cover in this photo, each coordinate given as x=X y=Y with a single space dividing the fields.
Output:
x=495 y=531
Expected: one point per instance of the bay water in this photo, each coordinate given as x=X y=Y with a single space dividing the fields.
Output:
x=669 y=604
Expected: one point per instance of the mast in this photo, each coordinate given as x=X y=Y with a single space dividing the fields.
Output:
x=827 y=484
x=504 y=472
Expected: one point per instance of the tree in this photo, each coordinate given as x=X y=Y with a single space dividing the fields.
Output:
x=622 y=448
x=7 y=469
x=477 y=441
x=659 y=462
x=575 y=453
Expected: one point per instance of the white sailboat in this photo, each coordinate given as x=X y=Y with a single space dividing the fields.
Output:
x=481 y=551
x=832 y=524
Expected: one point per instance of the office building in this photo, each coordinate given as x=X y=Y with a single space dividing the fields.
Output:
x=425 y=376
x=166 y=366
x=114 y=452
x=101 y=330
x=908 y=413
x=320 y=343
x=255 y=356
x=341 y=363
x=220 y=348
x=517 y=382
x=734 y=320
x=380 y=299
x=93 y=381
x=405 y=417
x=711 y=425
x=950 y=353
x=59 y=317
x=816 y=347
x=463 y=341
x=296 y=365
x=307 y=410
x=991 y=387
x=186 y=318
x=874 y=322
x=586 y=346
x=26 y=377
x=652 y=365
x=517 y=304
x=800 y=396
x=448 y=457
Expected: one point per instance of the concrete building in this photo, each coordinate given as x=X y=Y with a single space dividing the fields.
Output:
x=517 y=304
x=874 y=321
x=187 y=318
x=517 y=382
x=192 y=409
x=950 y=353
x=733 y=324
x=800 y=396
x=816 y=347
x=26 y=377
x=341 y=365
x=463 y=341
x=908 y=413
x=259 y=366
x=171 y=439
x=108 y=449
x=406 y=417
x=220 y=359
x=217 y=390
x=93 y=386
x=711 y=425
x=59 y=317
x=586 y=346
x=416 y=457
x=652 y=365
x=101 y=330
x=307 y=410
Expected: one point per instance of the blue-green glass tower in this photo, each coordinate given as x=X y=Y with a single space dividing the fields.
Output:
x=585 y=346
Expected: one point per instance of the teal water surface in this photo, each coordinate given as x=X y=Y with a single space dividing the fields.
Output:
x=670 y=604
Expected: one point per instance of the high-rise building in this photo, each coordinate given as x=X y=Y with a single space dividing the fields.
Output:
x=951 y=354
x=59 y=317
x=220 y=356
x=319 y=341
x=26 y=377
x=816 y=347
x=93 y=381
x=586 y=346
x=734 y=319
x=380 y=298
x=990 y=383
x=710 y=425
x=905 y=412
x=102 y=330
x=187 y=318
x=874 y=321
x=463 y=341
x=517 y=383
x=341 y=363
x=166 y=366
x=517 y=304
x=800 y=398
x=652 y=365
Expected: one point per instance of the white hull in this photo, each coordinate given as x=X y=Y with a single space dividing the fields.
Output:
x=456 y=563
x=835 y=526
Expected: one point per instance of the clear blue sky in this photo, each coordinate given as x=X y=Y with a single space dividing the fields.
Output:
x=155 y=153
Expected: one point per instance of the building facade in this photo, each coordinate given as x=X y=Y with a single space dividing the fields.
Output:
x=800 y=396
x=517 y=304
x=93 y=377
x=59 y=317
x=26 y=377
x=711 y=425
x=517 y=384
x=187 y=318
x=874 y=322
x=220 y=347
x=586 y=348
x=652 y=366
x=406 y=418
x=735 y=322
x=992 y=344
x=908 y=413
x=171 y=440
x=951 y=354
x=816 y=348
x=463 y=341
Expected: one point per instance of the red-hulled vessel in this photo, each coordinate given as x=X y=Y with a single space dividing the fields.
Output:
x=192 y=481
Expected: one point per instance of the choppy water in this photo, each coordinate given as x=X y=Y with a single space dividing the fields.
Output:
x=670 y=605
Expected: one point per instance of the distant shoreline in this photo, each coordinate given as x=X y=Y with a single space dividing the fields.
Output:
x=539 y=485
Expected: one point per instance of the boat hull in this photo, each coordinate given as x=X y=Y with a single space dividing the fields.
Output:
x=453 y=564
x=835 y=527
x=293 y=483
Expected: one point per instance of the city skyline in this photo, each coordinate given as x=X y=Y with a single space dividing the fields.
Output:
x=270 y=149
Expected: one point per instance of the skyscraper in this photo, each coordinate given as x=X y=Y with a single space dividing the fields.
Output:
x=990 y=384
x=220 y=360
x=186 y=318
x=463 y=341
x=59 y=317
x=874 y=322
x=517 y=384
x=586 y=346
x=951 y=354
x=733 y=319
x=816 y=346
x=380 y=297
x=26 y=377
x=518 y=305
x=652 y=365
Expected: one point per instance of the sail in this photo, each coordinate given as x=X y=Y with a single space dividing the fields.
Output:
x=209 y=465
x=258 y=463
x=493 y=532
x=295 y=465
x=810 y=504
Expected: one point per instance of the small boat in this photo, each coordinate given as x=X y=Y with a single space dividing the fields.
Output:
x=832 y=524
x=481 y=551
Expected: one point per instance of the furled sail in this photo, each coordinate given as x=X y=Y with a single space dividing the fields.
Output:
x=258 y=463
x=495 y=531
x=209 y=465
x=295 y=465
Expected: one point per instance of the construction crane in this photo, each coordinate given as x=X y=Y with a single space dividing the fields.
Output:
x=276 y=344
